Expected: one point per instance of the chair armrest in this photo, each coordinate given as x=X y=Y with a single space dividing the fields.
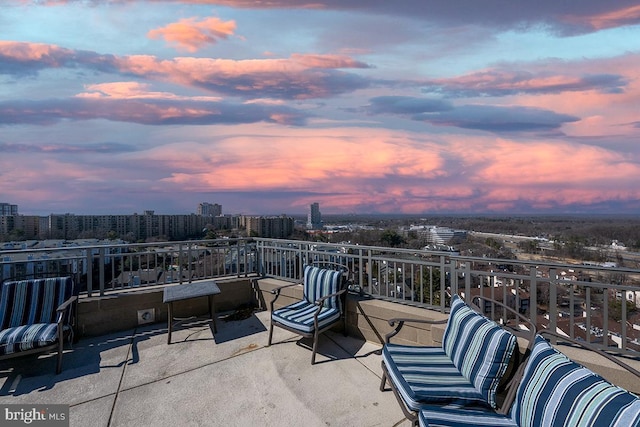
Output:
x=61 y=311
x=399 y=323
x=66 y=304
x=276 y=292
x=320 y=300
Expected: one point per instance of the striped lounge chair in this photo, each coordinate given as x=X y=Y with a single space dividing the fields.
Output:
x=36 y=316
x=465 y=371
x=320 y=308
x=553 y=391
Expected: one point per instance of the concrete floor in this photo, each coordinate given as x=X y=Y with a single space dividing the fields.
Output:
x=135 y=378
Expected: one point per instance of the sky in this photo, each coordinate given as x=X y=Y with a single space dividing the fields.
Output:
x=364 y=106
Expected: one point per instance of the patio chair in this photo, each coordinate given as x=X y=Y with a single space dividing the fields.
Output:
x=36 y=315
x=469 y=369
x=321 y=307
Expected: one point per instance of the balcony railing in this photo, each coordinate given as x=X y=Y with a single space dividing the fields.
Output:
x=590 y=302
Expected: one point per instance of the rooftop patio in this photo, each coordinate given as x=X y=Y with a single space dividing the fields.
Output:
x=230 y=378
x=121 y=373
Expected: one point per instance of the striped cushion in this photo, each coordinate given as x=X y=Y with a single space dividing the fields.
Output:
x=556 y=391
x=451 y=416
x=21 y=338
x=427 y=375
x=478 y=347
x=299 y=316
x=27 y=302
x=320 y=282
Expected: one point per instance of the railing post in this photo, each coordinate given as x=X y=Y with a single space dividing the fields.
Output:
x=553 y=300
x=101 y=269
x=237 y=248
x=443 y=282
x=467 y=278
x=454 y=277
x=588 y=313
x=571 y=309
x=180 y=257
x=189 y=263
x=246 y=257
x=360 y=269
x=533 y=292
x=623 y=319
x=88 y=260
x=605 y=316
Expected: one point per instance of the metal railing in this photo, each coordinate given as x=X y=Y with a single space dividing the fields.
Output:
x=589 y=302
x=100 y=269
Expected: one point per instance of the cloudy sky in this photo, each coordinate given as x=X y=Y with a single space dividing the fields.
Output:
x=412 y=106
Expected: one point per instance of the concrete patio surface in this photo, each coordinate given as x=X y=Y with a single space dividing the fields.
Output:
x=232 y=378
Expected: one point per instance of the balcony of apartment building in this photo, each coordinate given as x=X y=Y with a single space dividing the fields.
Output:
x=121 y=371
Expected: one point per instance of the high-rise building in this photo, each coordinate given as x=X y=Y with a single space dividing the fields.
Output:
x=314 y=217
x=8 y=209
x=209 y=209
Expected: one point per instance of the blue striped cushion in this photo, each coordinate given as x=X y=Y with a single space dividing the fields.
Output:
x=452 y=416
x=559 y=392
x=427 y=375
x=320 y=282
x=27 y=302
x=478 y=347
x=21 y=338
x=300 y=316
x=554 y=391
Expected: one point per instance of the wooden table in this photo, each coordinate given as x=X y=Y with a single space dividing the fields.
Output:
x=206 y=288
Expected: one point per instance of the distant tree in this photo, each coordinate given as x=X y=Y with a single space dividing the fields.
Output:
x=529 y=246
x=430 y=286
x=210 y=234
x=615 y=309
x=17 y=234
x=391 y=238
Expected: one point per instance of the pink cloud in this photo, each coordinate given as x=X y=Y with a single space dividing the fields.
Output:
x=399 y=170
x=134 y=90
x=326 y=61
x=609 y=19
x=301 y=76
x=297 y=77
x=191 y=34
x=356 y=169
x=527 y=79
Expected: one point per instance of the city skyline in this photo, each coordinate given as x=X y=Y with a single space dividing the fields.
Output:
x=434 y=107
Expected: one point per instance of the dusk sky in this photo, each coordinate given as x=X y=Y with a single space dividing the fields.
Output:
x=364 y=106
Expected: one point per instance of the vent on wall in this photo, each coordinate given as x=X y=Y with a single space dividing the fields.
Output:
x=146 y=316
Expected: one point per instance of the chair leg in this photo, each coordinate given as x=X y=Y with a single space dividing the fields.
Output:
x=384 y=380
x=315 y=347
x=270 y=332
x=344 y=326
x=59 y=362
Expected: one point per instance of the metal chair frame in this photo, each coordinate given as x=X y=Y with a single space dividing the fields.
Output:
x=319 y=302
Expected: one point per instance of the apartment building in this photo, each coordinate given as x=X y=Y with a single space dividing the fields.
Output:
x=272 y=226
